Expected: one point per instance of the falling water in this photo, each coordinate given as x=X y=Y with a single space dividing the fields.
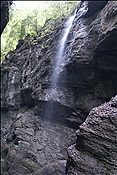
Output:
x=52 y=93
x=60 y=52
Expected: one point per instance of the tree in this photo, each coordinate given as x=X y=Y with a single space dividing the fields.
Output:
x=27 y=20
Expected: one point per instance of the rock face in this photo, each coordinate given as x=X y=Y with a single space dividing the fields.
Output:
x=95 y=151
x=34 y=142
x=31 y=142
x=4 y=9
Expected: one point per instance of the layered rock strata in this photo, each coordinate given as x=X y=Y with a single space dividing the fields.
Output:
x=95 y=150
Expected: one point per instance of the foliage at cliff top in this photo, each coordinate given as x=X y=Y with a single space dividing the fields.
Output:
x=28 y=19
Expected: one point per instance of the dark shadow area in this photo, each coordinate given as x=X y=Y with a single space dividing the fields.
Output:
x=106 y=61
x=4 y=14
x=55 y=112
x=94 y=7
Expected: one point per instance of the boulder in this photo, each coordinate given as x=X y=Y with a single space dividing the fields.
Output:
x=95 y=150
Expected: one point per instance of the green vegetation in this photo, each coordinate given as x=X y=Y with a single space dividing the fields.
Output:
x=108 y=168
x=28 y=20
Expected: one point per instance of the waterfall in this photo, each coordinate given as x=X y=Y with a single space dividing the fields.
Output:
x=60 y=53
x=52 y=92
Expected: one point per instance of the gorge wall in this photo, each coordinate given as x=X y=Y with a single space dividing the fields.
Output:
x=36 y=144
x=4 y=10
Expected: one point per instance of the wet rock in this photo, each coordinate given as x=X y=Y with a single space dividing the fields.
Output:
x=33 y=142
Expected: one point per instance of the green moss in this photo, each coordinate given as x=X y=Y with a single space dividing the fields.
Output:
x=104 y=163
x=108 y=167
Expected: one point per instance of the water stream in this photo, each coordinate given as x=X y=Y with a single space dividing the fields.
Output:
x=60 y=53
x=52 y=92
